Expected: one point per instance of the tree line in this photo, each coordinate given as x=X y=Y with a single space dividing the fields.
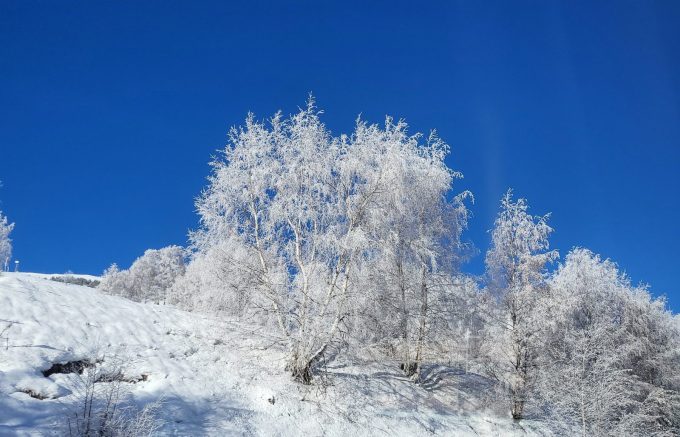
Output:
x=353 y=244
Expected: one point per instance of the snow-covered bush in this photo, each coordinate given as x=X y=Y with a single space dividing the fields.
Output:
x=76 y=280
x=149 y=277
x=103 y=408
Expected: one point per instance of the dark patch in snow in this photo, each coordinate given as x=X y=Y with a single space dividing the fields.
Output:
x=68 y=279
x=68 y=367
x=34 y=394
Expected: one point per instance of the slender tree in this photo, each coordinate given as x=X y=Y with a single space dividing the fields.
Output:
x=516 y=267
x=5 y=241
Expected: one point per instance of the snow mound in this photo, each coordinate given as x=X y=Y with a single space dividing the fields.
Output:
x=215 y=377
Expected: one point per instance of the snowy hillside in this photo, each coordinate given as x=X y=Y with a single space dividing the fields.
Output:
x=213 y=376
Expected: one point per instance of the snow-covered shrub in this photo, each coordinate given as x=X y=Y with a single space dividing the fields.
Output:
x=149 y=277
x=70 y=279
x=104 y=409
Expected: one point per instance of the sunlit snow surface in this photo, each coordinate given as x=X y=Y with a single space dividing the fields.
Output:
x=215 y=377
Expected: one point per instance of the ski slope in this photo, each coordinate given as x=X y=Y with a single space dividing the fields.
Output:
x=214 y=377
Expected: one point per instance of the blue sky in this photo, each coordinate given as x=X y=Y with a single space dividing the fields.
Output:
x=110 y=112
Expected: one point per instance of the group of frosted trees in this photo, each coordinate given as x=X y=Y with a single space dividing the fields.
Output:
x=352 y=244
x=149 y=278
x=581 y=347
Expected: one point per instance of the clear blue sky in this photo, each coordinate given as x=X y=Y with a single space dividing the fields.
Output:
x=110 y=111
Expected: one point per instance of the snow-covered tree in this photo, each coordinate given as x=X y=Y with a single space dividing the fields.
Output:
x=5 y=242
x=610 y=363
x=114 y=281
x=417 y=243
x=308 y=212
x=217 y=281
x=516 y=267
x=149 y=277
x=652 y=340
x=154 y=272
x=583 y=379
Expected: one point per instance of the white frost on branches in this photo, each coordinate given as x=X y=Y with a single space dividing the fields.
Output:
x=300 y=214
x=5 y=242
x=516 y=265
x=149 y=278
x=353 y=243
x=610 y=362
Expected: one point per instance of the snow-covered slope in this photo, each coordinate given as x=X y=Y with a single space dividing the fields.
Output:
x=215 y=377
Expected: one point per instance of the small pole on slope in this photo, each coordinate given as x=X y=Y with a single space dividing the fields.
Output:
x=16 y=265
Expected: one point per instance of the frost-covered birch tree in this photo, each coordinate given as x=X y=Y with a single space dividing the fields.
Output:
x=516 y=267
x=306 y=212
x=418 y=241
